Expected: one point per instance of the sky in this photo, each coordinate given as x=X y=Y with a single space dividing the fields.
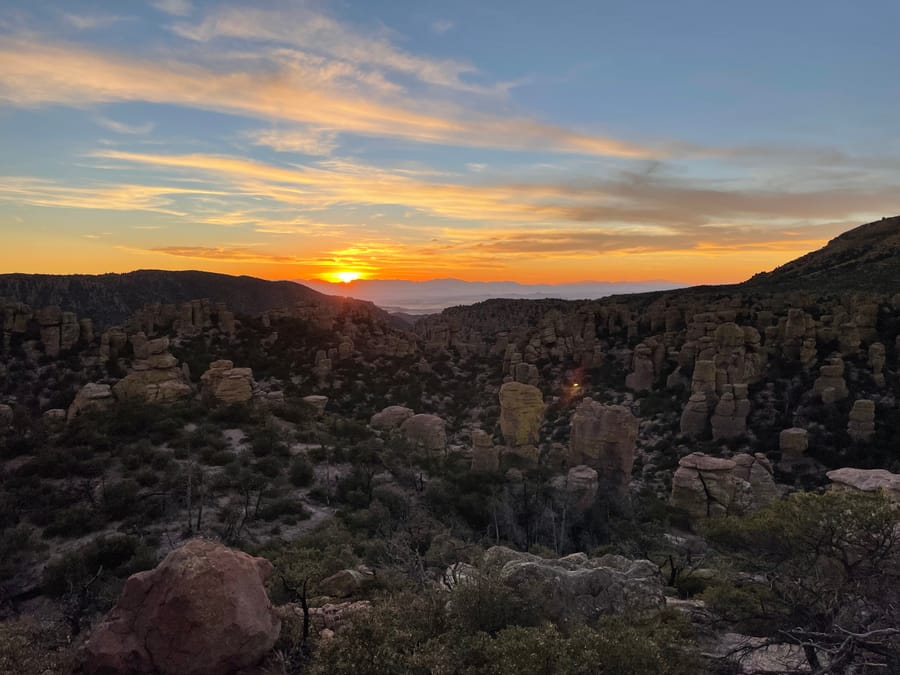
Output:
x=538 y=142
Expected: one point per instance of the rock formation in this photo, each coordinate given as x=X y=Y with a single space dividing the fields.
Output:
x=578 y=588
x=830 y=385
x=521 y=413
x=91 y=396
x=317 y=403
x=224 y=384
x=793 y=442
x=877 y=359
x=485 y=455
x=757 y=471
x=391 y=417
x=426 y=431
x=866 y=480
x=642 y=372
x=706 y=487
x=694 y=416
x=604 y=437
x=155 y=376
x=582 y=485
x=861 y=422
x=202 y=611
x=730 y=417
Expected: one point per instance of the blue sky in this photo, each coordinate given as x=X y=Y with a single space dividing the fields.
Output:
x=536 y=142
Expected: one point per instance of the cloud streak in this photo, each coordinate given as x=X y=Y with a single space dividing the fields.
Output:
x=297 y=91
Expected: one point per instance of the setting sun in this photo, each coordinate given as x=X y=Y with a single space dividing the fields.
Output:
x=346 y=277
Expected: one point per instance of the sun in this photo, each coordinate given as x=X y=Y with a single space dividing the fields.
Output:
x=346 y=277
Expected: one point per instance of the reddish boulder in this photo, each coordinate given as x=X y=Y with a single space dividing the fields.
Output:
x=202 y=611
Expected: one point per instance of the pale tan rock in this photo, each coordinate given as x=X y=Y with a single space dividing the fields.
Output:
x=91 y=396
x=227 y=385
x=866 y=480
x=521 y=413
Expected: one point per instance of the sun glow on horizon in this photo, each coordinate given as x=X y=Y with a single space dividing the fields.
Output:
x=345 y=277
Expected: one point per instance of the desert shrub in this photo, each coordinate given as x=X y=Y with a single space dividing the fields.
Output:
x=283 y=506
x=115 y=556
x=74 y=521
x=302 y=473
x=120 y=498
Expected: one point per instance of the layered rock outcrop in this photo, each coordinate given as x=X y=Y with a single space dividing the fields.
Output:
x=226 y=385
x=202 y=611
x=155 y=376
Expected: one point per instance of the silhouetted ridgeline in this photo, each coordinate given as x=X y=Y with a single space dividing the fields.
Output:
x=112 y=298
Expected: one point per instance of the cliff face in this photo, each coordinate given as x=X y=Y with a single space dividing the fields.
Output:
x=111 y=298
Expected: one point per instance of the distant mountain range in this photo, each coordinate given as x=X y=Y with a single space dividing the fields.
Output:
x=429 y=297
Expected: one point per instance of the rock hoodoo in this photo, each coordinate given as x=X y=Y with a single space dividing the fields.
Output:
x=603 y=437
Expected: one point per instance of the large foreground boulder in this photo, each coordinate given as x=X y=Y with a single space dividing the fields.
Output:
x=579 y=588
x=202 y=611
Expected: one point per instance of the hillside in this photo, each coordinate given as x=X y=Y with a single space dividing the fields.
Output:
x=111 y=298
x=866 y=258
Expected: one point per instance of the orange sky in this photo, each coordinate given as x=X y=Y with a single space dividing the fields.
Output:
x=292 y=141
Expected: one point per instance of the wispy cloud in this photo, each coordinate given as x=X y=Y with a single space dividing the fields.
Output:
x=441 y=26
x=307 y=29
x=173 y=7
x=34 y=74
x=92 y=21
x=305 y=141
x=123 y=128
